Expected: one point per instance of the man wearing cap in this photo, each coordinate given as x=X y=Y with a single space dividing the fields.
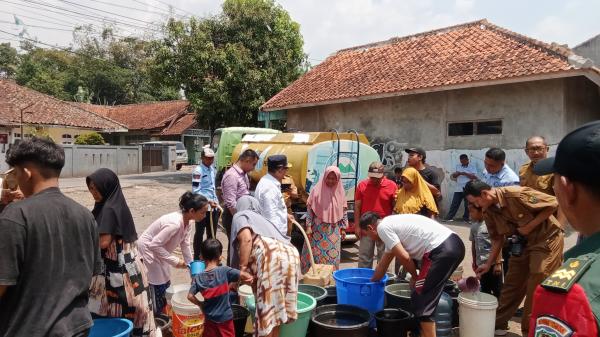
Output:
x=497 y=173
x=416 y=159
x=203 y=182
x=568 y=300
x=525 y=217
x=269 y=195
x=375 y=194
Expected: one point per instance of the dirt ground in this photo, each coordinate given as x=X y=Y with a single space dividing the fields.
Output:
x=152 y=195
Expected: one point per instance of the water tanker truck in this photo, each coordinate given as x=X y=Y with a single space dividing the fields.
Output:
x=310 y=153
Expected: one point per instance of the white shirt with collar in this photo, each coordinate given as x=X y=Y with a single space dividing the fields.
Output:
x=268 y=193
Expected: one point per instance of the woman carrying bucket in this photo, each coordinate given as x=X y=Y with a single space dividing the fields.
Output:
x=411 y=237
x=160 y=239
x=326 y=221
x=259 y=248
x=121 y=290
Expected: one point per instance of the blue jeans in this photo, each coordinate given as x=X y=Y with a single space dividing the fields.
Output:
x=456 y=200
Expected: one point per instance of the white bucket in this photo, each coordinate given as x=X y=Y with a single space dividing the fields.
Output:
x=187 y=319
x=245 y=293
x=170 y=292
x=477 y=312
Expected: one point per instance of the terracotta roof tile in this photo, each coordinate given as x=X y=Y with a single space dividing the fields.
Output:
x=143 y=116
x=472 y=52
x=46 y=110
x=187 y=121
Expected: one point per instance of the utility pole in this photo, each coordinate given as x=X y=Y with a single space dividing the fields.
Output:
x=22 y=110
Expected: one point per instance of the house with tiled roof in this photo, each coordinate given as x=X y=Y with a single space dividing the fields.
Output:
x=460 y=89
x=28 y=112
x=155 y=121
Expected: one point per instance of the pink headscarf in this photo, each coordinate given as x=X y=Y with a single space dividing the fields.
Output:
x=328 y=203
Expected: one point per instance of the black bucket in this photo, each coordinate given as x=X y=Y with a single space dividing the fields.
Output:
x=391 y=278
x=331 y=297
x=340 y=320
x=163 y=322
x=240 y=316
x=393 y=322
x=397 y=296
x=319 y=293
x=452 y=289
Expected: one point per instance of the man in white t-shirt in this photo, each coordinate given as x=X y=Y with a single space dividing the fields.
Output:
x=409 y=237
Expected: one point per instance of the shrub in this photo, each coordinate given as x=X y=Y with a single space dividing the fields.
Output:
x=92 y=138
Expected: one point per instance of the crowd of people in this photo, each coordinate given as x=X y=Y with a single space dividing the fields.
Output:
x=62 y=265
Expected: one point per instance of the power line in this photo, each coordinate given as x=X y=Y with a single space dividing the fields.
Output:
x=107 y=12
x=132 y=8
x=88 y=15
x=159 y=8
x=43 y=27
x=171 y=6
x=36 y=19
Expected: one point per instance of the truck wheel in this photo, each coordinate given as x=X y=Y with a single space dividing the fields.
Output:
x=178 y=166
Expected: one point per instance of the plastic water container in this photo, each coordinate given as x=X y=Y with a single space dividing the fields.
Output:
x=443 y=316
x=170 y=292
x=318 y=293
x=306 y=304
x=111 y=327
x=196 y=267
x=187 y=319
x=477 y=314
x=247 y=300
x=354 y=287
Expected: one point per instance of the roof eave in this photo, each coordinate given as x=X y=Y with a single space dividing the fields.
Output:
x=591 y=73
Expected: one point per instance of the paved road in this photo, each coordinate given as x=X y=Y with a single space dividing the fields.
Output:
x=153 y=194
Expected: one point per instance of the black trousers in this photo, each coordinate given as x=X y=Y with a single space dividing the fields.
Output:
x=436 y=268
x=491 y=284
x=203 y=225
x=227 y=218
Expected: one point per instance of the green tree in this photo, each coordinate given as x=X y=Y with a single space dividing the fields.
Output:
x=232 y=63
x=92 y=138
x=9 y=60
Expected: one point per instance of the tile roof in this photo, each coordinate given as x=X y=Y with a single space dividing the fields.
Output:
x=187 y=121
x=46 y=110
x=459 y=55
x=143 y=116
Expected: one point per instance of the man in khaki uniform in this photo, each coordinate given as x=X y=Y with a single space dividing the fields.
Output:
x=536 y=149
x=526 y=214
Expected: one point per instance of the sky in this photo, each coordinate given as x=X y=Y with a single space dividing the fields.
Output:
x=326 y=25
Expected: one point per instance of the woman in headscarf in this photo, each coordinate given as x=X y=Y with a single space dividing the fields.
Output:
x=326 y=221
x=121 y=290
x=415 y=197
x=259 y=248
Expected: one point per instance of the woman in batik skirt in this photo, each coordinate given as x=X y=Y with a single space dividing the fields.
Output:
x=121 y=290
x=327 y=219
x=260 y=249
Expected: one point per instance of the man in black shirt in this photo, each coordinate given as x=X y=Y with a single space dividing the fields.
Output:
x=48 y=250
x=416 y=159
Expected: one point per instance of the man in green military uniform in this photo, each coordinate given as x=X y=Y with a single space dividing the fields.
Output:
x=576 y=285
x=525 y=217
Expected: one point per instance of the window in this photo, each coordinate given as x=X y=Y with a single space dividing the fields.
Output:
x=475 y=128
x=67 y=139
x=460 y=129
x=489 y=128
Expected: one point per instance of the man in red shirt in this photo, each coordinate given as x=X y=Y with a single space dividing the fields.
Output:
x=376 y=194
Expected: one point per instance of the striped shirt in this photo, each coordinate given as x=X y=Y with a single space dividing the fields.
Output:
x=214 y=287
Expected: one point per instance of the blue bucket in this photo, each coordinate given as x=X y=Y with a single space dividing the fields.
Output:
x=111 y=327
x=196 y=267
x=353 y=286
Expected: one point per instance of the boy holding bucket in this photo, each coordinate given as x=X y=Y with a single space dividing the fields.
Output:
x=213 y=284
x=409 y=237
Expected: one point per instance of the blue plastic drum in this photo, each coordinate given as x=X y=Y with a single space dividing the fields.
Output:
x=111 y=327
x=353 y=286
